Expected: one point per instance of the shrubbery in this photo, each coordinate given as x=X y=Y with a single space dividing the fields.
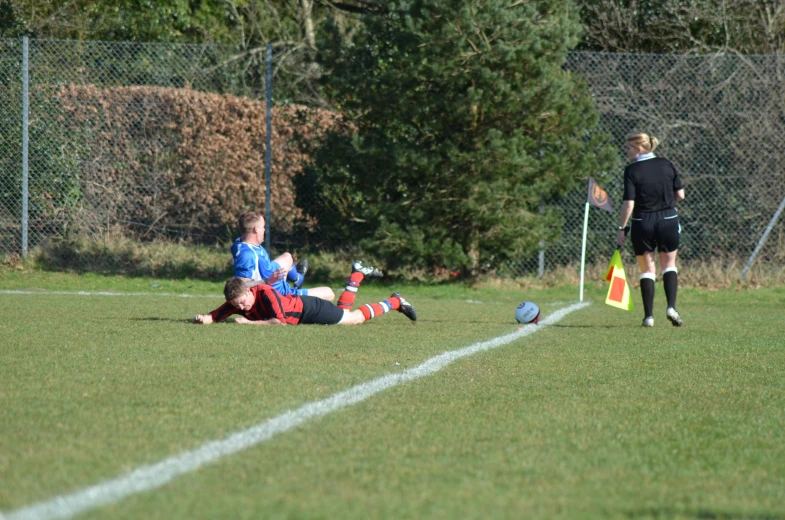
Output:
x=164 y=158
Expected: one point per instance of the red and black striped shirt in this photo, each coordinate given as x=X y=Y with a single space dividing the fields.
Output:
x=268 y=304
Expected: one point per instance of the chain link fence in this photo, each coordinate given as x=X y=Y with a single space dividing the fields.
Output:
x=10 y=146
x=721 y=120
x=111 y=142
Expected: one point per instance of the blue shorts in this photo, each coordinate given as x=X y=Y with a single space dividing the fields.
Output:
x=283 y=287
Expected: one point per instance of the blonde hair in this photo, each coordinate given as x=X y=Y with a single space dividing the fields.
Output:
x=247 y=221
x=237 y=286
x=643 y=141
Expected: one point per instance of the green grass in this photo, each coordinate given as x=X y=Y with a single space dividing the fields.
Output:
x=593 y=417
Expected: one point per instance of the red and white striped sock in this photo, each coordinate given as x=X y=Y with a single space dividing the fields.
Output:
x=371 y=310
x=346 y=301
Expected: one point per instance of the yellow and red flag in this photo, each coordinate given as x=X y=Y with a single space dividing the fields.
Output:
x=619 y=291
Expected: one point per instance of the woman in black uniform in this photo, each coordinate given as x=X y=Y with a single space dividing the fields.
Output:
x=652 y=187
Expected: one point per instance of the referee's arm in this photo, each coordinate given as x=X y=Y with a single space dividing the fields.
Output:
x=626 y=212
x=679 y=194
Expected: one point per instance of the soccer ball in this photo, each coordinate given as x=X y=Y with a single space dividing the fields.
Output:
x=527 y=312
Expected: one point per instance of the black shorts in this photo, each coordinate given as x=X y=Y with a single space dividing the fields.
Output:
x=319 y=311
x=660 y=229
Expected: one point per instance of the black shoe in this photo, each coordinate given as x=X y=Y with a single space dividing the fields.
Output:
x=406 y=307
x=368 y=271
x=302 y=266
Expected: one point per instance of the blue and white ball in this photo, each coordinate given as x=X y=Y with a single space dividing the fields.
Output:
x=527 y=312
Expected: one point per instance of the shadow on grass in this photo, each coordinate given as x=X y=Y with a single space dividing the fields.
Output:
x=588 y=326
x=170 y=320
x=122 y=256
x=700 y=513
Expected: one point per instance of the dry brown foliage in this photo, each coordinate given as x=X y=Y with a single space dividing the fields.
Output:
x=717 y=274
x=178 y=158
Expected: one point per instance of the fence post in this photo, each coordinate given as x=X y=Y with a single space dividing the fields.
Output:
x=541 y=253
x=268 y=144
x=763 y=239
x=25 y=137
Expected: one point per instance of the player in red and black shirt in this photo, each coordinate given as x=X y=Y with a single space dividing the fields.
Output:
x=260 y=304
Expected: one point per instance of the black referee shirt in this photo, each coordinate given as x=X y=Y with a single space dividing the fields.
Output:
x=651 y=183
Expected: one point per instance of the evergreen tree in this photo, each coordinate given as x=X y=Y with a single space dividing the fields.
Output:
x=462 y=122
x=11 y=25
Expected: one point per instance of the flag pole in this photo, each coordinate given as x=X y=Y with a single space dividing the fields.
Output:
x=583 y=247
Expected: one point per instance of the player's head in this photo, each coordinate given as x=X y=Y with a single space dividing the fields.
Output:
x=640 y=143
x=251 y=223
x=238 y=293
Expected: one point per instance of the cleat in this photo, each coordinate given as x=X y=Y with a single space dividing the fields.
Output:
x=674 y=317
x=648 y=321
x=302 y=266
x=406 y=307
x=367 y=270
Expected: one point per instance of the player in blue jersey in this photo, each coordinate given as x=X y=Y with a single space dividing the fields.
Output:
x=252 y=261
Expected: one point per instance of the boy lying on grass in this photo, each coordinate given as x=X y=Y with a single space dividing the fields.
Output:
x=260 y=304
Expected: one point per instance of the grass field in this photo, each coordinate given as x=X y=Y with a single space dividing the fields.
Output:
x=591 y=417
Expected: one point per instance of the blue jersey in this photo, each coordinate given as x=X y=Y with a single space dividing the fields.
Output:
x=253 y=262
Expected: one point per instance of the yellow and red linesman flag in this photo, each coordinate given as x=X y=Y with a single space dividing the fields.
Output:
x=619 y=291
x=598 y=197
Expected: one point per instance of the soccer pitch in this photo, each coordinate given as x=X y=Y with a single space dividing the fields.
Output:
x=589 y=416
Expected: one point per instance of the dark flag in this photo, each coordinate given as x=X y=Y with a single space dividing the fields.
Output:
x=598 y=197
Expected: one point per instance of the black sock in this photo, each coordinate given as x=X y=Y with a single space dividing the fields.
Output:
x=671 y=282
x=647 y=293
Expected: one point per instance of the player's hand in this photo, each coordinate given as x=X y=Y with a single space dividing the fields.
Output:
x=621 y=238
x=203 y=319
x=242 y=320
x=278 y=275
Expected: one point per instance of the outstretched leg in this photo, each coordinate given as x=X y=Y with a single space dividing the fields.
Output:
x=396 y=302
x=359 y=272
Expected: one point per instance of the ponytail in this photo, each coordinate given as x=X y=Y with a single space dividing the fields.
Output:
x=643 y=141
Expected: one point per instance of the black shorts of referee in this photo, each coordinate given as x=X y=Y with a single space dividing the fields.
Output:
x=320 y=312
x=655 y=229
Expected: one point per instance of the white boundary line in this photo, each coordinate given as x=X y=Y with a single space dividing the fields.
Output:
x=107 y=293
x=146 y=478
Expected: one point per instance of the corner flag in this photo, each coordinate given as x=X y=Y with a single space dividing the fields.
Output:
x=619 y=291
x=598 y=197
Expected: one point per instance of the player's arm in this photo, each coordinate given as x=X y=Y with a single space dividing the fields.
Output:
x=278 y=275
x=271 y=321
x=678 y=186
x=219 y=314
x=270 y=271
